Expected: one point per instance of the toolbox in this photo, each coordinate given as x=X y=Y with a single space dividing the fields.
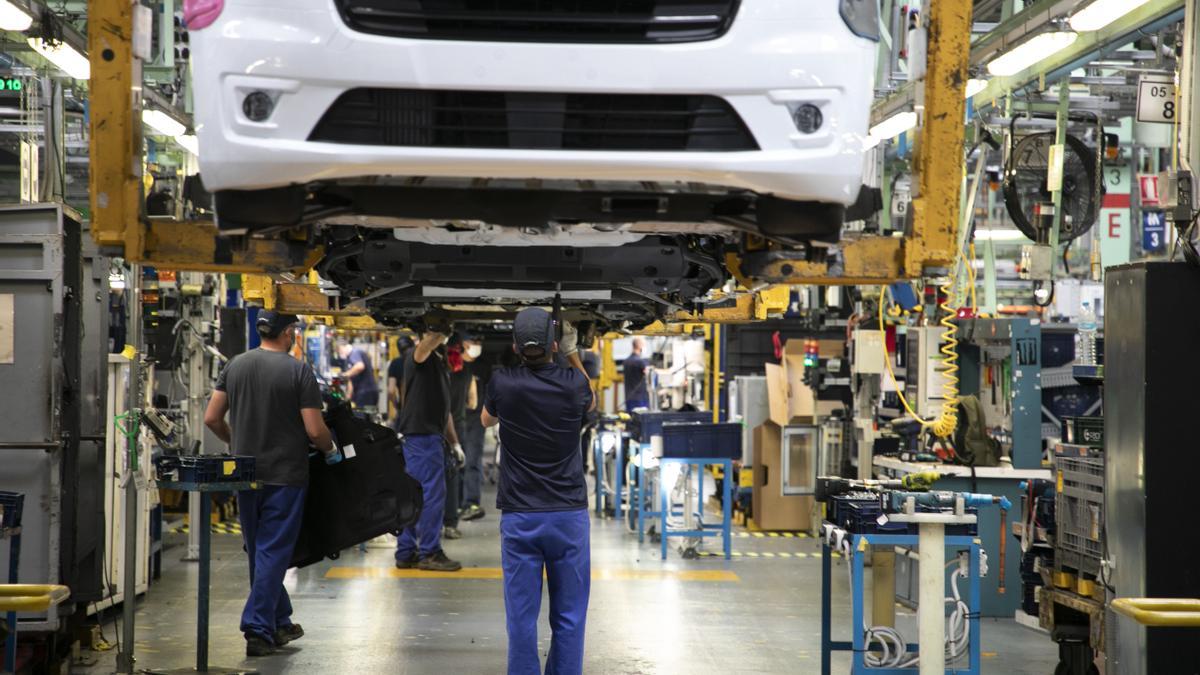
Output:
x=702 y=441
x=11 y=505
x=205 y=468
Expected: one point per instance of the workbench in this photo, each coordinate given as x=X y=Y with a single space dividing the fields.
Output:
x=994 y=480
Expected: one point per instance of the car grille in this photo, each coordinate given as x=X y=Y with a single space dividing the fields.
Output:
x=533 y=121
x=596 y=21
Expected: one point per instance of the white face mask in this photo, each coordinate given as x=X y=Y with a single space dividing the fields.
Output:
x=474 y=351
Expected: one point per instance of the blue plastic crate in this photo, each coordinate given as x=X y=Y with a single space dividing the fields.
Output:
x=205 y=468
x=651 y=423
x=11 y=506
x=698 y=440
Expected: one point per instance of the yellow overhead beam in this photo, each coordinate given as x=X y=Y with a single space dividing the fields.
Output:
x=115 y=145
x=118 y=221
x=938 y=152
x=938 y=168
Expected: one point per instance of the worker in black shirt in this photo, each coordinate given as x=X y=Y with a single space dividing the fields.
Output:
x=426 y=424
x=544 y=526
x=634 y=367
x=275 y=413
x=395 y=379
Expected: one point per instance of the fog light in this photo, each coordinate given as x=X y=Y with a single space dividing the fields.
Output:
x=808 y=118
x=257 y=106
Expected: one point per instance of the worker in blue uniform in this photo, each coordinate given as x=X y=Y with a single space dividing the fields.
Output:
x=274 y=407
x=544 y=527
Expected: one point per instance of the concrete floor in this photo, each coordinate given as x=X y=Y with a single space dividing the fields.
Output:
x=752 y=615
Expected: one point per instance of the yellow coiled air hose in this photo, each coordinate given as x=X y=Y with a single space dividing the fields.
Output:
x=947 y=422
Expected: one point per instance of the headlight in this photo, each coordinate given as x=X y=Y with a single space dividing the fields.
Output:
x=861 y=17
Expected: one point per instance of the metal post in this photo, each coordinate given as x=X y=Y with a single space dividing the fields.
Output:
x=1189 y=85
x=1060 y=140
x=727 y=511
x=125 y=659
x=826 y=609
x=202 y=600
x=931 y=608
x=195 y=402
x=14 y=562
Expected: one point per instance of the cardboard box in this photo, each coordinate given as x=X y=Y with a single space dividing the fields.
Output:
x=792 y=401
x=772 y=509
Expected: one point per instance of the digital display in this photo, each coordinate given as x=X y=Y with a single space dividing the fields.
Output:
x=11 y=84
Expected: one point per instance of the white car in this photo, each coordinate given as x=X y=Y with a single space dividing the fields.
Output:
x=616 y=117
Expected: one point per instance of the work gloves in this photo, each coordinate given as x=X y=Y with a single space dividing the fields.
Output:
x=569 y=344
x=460 y=457
x=334 y=457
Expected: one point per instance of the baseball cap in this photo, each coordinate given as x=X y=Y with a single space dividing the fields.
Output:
x=271 y=323
x=533 y=327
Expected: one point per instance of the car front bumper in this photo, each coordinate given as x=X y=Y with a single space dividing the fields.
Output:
x=777 y=53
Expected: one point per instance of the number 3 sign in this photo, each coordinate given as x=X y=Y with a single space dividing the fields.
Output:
x=1156 y=101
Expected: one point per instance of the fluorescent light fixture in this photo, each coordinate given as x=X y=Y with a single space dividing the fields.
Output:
x=1006 y=234
x=894 y=126
x=1029 y=53
x=974 y=86
x=13 y=17
x=64 y=56
x=163 y=123
x=1102 y=12
x=188 y=142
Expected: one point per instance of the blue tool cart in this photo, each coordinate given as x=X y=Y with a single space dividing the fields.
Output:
x=860 y=546
x=667 y=509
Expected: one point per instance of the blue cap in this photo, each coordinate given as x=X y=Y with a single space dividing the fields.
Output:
x=533 y=327
x=271 y=323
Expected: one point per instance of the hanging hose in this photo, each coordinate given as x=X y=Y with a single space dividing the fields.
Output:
x=947 y=422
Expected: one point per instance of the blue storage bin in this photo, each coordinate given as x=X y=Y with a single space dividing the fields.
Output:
x=699 y=440
x=651 y=423
x=205 y=468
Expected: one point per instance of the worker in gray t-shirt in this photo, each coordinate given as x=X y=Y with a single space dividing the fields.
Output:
x=274 y=407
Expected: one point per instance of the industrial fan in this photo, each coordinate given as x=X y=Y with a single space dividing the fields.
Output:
x=1025 y=186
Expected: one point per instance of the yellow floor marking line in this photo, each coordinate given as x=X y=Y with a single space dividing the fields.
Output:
x=216 y=529
x=496 y=573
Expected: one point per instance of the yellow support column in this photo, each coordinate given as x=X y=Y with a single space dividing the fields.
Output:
x=937 y=156
x=115 y=146
x=259 y=289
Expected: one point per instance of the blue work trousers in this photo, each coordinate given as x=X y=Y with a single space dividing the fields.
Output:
x=558 y=543
x=425 y=460
x=271 y=519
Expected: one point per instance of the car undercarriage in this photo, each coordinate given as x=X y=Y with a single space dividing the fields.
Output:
x=620 y=286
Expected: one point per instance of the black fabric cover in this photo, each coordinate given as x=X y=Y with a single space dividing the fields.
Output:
x=362 y=497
